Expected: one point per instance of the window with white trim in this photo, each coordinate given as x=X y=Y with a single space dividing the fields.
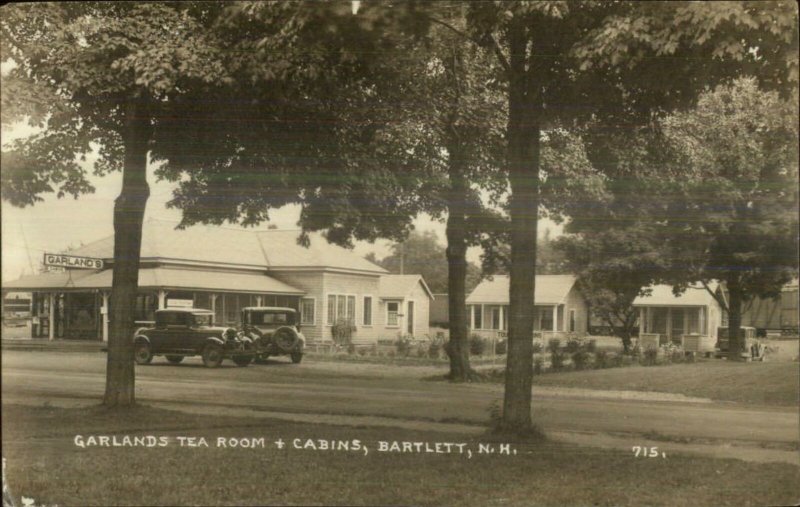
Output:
x=307 y=307
x=341 y=307
x=392 y=311
x=367 y=313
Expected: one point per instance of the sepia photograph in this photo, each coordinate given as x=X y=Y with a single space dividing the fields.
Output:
x=400 y=253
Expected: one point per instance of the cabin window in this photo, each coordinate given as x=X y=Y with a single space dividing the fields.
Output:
x=367 y=310
x=341 y=307
x=307 y=306
x=392 y=311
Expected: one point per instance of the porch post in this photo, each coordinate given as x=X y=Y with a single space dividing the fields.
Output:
x=258 y=300
x=104 y=315
x=483 y=318
x=555 y=319
x=669 y=323
x=472 y=317
x=52 y=324
x=213 y=298
x=701 y=321
x=642 y=323
x=502 y=317
x=162 y=299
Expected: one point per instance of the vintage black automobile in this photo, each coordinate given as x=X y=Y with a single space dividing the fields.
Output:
x=181 y=332
x=274 y=331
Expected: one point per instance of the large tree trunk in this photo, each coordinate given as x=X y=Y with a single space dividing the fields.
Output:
x=458 y=345
x=128 y=217
x=735 y=340
x=523 y=160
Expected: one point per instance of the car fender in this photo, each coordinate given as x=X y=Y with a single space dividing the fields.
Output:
x=139 y=338
x=214 y=339
x=301 y=341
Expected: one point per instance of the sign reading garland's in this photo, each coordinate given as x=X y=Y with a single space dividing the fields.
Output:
x=71 y=261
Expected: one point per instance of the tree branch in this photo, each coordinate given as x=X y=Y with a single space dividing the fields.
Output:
x=498 y=51
x=719 y=299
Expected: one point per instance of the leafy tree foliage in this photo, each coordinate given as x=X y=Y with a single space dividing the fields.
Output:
x=349 y=140
x=617 y=63
x=422 y=254
x=101 y=74
x=734 y=216
x=614 y=266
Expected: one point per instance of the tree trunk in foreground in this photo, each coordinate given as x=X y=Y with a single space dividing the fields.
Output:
x=128 y=218
x=458 y=345
x=523 y=160
x=736 y=342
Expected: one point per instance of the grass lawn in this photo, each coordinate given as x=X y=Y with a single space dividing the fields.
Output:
x=756 y=383
x=43 y=463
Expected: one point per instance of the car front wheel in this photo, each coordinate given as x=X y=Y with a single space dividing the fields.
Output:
x=297 y=357
x=142 y=353
x=212 y=355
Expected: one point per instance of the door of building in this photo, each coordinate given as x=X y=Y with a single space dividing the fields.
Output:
x=410 y=319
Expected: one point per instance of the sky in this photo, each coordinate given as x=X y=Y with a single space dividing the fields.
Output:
x=57 y=224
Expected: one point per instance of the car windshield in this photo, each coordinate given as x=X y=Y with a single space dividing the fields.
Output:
x=271 y=318
x=203 y=319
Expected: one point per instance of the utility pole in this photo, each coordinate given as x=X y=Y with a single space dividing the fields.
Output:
x=402 y=257
x=27 y=250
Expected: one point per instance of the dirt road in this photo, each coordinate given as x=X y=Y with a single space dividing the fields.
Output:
x=371 y=394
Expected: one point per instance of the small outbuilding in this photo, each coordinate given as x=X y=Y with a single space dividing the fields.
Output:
x=560 y=309
x=691 y=318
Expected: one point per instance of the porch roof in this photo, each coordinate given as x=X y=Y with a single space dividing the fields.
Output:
x=662 y=296
x=157 y=278
x=550 y=290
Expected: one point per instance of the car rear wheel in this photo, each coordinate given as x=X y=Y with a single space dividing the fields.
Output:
x=242 y=360
x=142 y=354
x=212 y=355
x=297 y=357
x=174 y=359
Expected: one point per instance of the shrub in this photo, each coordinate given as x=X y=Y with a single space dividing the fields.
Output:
x=573 y=346
x=421 y=352
x=557 y=360
x=591 y=346
x=537 y=347
x=538 y=365
x=554 y=345
x=690 y=358
x=625 y=360
x=342 y=332
x=677 y=356
x=351 y=349
x=650 y=357
x=601 y=359
x=636 y=351
x=391 y=353
x=362 y=352
x=501 y=347
x=403 y=346
x=477 y=345
x=434 y=349
x=580 y=358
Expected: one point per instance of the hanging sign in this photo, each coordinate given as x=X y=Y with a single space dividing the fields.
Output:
x=71 y=261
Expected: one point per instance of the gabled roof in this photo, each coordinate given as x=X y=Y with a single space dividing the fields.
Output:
x=234 y=247
x=695 y=295
x=400 y=286
x=549 y=290
x=282 y=252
